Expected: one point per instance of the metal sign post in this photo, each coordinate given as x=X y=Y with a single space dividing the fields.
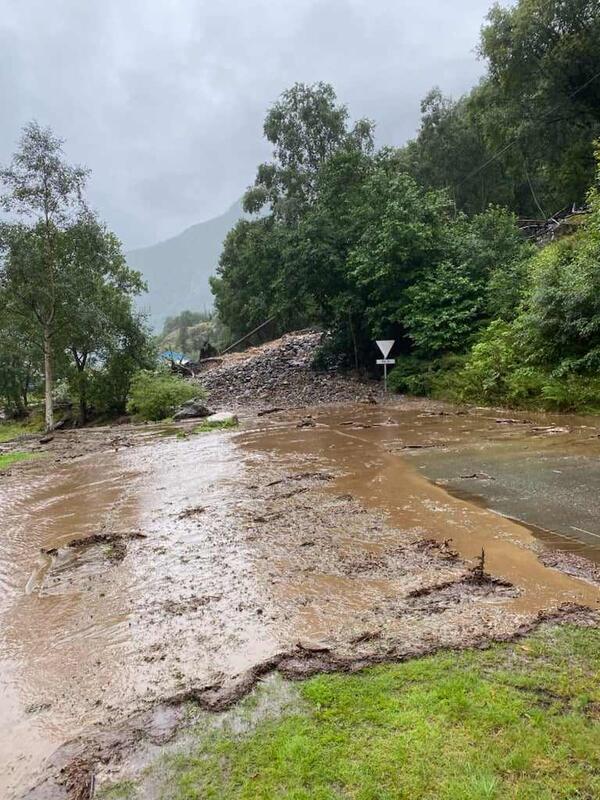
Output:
x=385 y=345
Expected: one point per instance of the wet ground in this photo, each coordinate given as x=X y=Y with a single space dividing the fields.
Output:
x=132 y=578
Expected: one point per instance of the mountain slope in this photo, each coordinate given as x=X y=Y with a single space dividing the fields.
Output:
x=177 y=270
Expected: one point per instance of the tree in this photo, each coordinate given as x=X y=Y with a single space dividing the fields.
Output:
x=19 y=362
x=46 y=193
x=404 y=232
x=127 y=351
x=99 y=294
x=542 y=95
x=306 y=126
x=248 y=268
x=449 y=145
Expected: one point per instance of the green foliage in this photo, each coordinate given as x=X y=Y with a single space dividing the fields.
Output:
x=245 y=288
x=444 y=306
x=563 y=310
x=123 y=790
x=19 y=364
x=450 y=144
x=186 y=318
x=128 y=352
x=209 y=425
x=542 y=58
x=65 y=288
x=103 y=336
x=156 y=395
x=306 y=126
x=571 y=393
x=435 y=377
x=531 y=120
x=45 y=194
x=548 y=355
x=513 y=721
x=492 y=373
x=197 y=334
x=420 y=244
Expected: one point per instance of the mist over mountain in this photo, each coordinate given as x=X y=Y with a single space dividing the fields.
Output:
x=177 y=270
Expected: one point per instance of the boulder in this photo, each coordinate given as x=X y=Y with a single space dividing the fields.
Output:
x=223 y=416
x=191 y=410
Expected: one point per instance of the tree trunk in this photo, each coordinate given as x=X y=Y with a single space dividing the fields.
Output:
x=80 y=363
x=82 y=398
x=48 y=379
x=353 y=341
x=25 y=391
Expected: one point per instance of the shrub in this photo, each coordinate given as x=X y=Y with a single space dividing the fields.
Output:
x=435 y=378
x=492 y=362
x=156 y=395
x=571 y=393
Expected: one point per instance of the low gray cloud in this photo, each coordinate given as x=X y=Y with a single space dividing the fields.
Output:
x=164 y=99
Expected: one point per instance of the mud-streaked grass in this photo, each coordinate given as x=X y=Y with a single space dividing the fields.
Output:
x=215 y=425
x=519 y=721
x=8 y=459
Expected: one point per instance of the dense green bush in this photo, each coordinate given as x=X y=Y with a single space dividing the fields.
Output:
x=432 y=377
x=156 y=395
x=571 y=393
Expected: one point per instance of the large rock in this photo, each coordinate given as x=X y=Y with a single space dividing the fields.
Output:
x=191 y=410
x=223 y=417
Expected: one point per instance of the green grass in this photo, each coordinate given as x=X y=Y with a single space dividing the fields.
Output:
x=124 y=790
x=517 y=721
x=10 y=430
x=8 y=459
x=213 y=425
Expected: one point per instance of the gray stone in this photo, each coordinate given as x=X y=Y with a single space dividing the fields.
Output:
x=191 y=410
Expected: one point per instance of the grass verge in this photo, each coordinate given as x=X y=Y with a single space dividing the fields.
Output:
x=11 y=430
x=8 y=459
x=518 y=721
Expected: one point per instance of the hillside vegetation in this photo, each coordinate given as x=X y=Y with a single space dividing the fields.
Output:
x=422 y=243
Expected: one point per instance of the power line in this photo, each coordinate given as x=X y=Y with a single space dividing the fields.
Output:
x=506 y=147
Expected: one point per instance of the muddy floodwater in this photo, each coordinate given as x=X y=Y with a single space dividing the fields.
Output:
x=131 y=576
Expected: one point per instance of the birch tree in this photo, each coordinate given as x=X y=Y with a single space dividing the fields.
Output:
x=44 y=193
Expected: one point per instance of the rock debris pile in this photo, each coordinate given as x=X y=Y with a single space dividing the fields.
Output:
x=280 y=373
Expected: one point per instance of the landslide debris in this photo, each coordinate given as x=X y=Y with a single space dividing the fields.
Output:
x=280 y=374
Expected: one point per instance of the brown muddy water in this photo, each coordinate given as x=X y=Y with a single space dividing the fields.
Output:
x=351 y=528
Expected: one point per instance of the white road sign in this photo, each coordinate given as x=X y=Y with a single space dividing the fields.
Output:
x=385 y=345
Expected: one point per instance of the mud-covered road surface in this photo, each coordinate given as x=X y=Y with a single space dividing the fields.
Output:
x=134 y=578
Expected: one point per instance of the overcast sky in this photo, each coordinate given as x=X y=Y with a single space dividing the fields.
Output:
x=164 y=99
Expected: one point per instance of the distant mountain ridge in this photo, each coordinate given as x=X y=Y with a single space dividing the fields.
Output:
x=177 y=270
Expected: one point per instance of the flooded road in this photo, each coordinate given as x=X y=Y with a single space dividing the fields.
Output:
x=130 y=575
x=366 y=444
x=87 y=634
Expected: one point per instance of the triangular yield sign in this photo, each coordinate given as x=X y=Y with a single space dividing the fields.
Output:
x=385 y=345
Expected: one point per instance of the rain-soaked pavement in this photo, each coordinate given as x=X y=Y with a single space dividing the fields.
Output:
x=208 y=554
